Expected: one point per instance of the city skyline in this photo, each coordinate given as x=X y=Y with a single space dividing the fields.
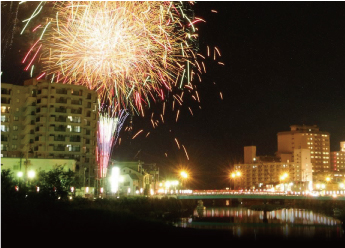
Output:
x=283 y=65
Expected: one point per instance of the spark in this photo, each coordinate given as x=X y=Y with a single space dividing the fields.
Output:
x=185 y=152
x=137 y=134
x=178 y=145
x=178 y=112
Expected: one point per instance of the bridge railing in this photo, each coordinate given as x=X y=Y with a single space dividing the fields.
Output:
x=266 y=192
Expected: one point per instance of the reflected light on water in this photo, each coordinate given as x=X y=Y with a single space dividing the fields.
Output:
x=243 y=222
x=296 y=216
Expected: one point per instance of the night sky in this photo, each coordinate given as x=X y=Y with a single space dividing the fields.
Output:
x=284 y=65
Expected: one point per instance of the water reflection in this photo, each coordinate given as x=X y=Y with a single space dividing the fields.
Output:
x=283 y=222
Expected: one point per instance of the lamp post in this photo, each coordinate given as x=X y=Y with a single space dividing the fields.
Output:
x=19 y=175
x=328 y=179
x=282 y=179
x=233 y=176
x=31 y=175
x=184 y=177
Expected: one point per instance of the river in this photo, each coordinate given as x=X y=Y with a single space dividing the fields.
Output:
x=283 y=223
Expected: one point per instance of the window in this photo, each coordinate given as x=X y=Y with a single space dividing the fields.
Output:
x=17 y=109
x=77 y=129
x=14 y=147
x=14 y=137
x=4 y=128
x=15 y=118
x=15 y=128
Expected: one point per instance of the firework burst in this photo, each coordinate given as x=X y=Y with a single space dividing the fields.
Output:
x=130 y=52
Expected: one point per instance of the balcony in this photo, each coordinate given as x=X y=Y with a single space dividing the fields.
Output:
x=6 y=92
x=43 y=101
x=30 y=100
x=76 y=111
x=41 y=149
x=29 y=127
x=61 y=100
x=59 y=149
x=57 y=138
x=75 y=139
x=61 y=91
x=42 y=92
x=41 y=120
x=60 y=110
x=4 y=119
x=58 y=129
x=5 y=100
x=40 y=139
x=76 y=102
x=74 y=149
x=41 y=110
x=61 y=119
x=28 y=119
x=26 y=139
x=40 y=129
x=5 y=110
x=76 y=92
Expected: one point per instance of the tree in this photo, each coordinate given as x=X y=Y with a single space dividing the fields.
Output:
x=7 y=184
x=56 y=183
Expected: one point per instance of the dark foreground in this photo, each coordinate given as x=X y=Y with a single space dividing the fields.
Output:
x=125 y=223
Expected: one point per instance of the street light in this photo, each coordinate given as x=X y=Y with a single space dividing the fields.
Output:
x=328 y=179
x=184 y=177
x=233 y=176
x=19 y=175
x=283 y=177
x=31 y=175
x=184 y=174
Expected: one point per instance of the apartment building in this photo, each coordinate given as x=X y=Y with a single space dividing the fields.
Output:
x=50 y=121
x=262 y=171
x=338 y=158
x=306 y=137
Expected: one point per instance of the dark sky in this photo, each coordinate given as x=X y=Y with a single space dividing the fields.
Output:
x=284 y=65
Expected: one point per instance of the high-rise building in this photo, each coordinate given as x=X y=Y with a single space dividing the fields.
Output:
x=338 y=158
x=50 y=121
x=306 y=137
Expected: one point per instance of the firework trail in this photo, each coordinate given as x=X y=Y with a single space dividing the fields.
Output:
x=109 y=127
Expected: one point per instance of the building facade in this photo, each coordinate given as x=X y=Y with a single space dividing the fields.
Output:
x=306 y=137
x=267 y=171
x=338 y=158
x=138 y=177
x=50 y=121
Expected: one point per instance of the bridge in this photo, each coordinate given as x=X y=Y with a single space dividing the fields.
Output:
x=264 y=195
